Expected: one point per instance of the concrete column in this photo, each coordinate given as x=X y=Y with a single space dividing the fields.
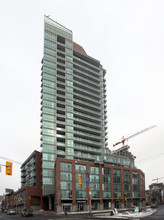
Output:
x=73 y=186
x=100 y=184
x=101 y=207
x=49 y=203
x=59 y=209
x=74 y=208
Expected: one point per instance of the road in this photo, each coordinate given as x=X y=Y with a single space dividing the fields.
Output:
x=4 y=216
x=158 y=215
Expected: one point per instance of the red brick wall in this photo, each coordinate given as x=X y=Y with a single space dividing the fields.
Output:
x=58 y=160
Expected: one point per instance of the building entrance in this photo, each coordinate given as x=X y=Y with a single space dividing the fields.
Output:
x=81 y=206
x=67 y=206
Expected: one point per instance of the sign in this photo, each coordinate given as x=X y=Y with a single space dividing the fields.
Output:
x=115 y=211
x=85 y=179
x=136 y=209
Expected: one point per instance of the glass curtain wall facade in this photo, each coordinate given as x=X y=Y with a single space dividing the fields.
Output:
x=73 y=103
x=135 y=182
x=127 y=196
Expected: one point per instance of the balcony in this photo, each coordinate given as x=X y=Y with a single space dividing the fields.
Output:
x=86 y=98
x=90 y=142
x=98 y=131
x=86 y=92
x=84 y=148
x=78 y=108
x=89 y=135
x=87 y=87
x=87 y=122
x=96 y=119
x=85 y=69
x=86 y=63
x=87 y=106
x=86 y=80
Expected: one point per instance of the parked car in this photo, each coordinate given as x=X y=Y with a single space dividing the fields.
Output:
x=11 y=212
x=27 y=212
x=154 y=205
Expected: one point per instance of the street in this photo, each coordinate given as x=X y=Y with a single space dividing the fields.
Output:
x=4 y=216
x=158 y=215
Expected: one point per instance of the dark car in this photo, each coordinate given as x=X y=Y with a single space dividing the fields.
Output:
x=154 y=205
x=27 y=212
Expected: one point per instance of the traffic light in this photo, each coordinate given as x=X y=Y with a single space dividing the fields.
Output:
x=91 y=197
x=9 y=168
x=85 y=189
x=79 y=179
x=120 y=199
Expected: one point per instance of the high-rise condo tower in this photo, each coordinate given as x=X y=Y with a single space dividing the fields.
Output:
x=73 y=103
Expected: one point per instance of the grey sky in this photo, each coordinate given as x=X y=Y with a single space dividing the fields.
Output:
x=126 y=36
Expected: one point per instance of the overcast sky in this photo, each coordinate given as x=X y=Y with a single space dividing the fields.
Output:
x=128 y=39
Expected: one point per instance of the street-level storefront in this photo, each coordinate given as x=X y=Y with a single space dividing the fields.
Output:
x=95 y=204
x=81 y=206
x=107 y=204
x=109 y=186
x=67 y=206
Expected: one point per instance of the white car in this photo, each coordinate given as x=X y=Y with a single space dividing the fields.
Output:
x=11 y=212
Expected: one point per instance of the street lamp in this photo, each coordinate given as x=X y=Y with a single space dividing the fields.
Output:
x=87 y=180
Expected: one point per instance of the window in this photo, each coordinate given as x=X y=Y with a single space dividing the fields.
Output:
x=94 y=170
x=66 y=185
x=48 y=117
x=66 y=176
x=70 y=115
x=80 y=168
x=48 y=156
x=61 y=39
x=48 y=124
x=69 y=44
x=48 y=148
x=70 y=143
x=47 y=181
x=49 y=173
x=48 y=132
x=47 y=164
x=69 y=83
x=65 y=166
x=48 y=83
x=48 y=104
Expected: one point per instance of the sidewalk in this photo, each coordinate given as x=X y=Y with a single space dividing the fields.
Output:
x=85 y=212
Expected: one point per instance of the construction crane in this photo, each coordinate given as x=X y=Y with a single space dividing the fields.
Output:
x=133 y=135
x=158 y=179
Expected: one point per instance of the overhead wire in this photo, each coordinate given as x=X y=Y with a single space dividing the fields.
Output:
x=8 y=159
x=150 y=158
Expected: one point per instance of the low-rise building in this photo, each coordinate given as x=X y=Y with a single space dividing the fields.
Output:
x=155 y=193
x=30 y=193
